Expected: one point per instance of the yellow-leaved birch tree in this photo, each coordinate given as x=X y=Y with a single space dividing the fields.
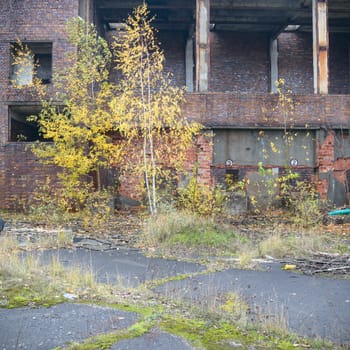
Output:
x=156 y=132
x=77 y=120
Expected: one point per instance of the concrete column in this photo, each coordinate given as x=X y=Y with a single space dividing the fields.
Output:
x=189 y=63
x=273 y=64
x=85 y=10
x=202 y=44
x=320 y=45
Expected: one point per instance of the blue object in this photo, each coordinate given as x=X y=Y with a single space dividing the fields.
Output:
x=345 y=211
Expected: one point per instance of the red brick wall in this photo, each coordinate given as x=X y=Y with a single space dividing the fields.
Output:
x=27 y=20
x=239 y=65
x=239 y=62
x=173 y=44
x=339 y=64
x=21 y=174
x=329 y=165
x=33 y=20
x=202 y=153
x=295 y=61
x=250 y=110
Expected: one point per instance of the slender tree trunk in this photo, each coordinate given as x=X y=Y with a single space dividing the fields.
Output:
x=145 y=162
x=150 y=136
x=98 y=178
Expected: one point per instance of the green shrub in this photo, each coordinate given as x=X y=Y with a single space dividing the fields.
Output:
x=199 y=198
x=303 y=202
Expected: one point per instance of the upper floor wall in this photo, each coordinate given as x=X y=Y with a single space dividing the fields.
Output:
x=245 y=46
x=240 y=57
x=42 y=24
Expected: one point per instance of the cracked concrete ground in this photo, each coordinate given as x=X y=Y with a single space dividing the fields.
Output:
x=311 y=306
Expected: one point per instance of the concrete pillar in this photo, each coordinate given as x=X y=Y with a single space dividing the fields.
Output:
x=273 y=65
x=189 y=63
x=202 y=45
x=320 y=45
x=85 y=10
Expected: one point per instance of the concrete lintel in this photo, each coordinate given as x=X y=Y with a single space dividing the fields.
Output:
x=202 y=44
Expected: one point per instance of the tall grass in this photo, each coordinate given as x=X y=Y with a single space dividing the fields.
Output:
x=174 y=229
x=26 y=280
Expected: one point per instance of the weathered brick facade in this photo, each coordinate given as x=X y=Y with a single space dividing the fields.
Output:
x=239 y=62
x=238 y=96
x=29 y=21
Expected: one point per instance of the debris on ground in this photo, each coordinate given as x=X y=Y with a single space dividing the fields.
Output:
x=336 y=264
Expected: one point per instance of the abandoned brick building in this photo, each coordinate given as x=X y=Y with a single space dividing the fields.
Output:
x=228 y=53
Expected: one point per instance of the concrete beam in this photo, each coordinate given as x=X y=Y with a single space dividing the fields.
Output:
x=202 y=45
x=273 y=65
x=259 y=5
x=320 y=45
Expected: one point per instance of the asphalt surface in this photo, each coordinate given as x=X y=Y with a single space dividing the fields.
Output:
x=310 y=306
x=47 y=328
x=123 y=265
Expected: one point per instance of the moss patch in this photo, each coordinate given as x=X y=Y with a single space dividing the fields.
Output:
x=226 y=336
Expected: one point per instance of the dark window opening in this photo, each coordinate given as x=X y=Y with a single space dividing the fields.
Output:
x=231 y=177
x=29 y=60
x=22 y=126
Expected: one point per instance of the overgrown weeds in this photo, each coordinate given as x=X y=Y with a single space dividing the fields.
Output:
x=183 y=229
x=283 y=244
x=201 y=199
x=184 y=233
x=26 y=279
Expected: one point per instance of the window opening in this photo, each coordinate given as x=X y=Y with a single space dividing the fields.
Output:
x=22 y=127
x=231 y=177
x=29 y=60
